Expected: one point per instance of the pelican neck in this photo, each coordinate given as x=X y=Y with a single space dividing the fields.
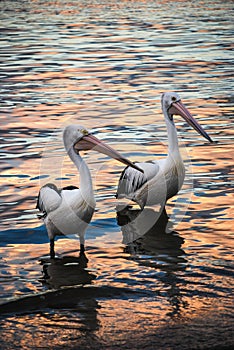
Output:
x=85 y=185
x=173 y=145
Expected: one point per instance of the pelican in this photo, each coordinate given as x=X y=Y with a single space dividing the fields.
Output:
x=163 y=178
x=68 y=211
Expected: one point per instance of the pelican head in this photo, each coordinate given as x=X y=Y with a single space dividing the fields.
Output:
x=78 y=138
x=171 y=104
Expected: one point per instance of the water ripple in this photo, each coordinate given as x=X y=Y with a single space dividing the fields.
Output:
x=104 y=65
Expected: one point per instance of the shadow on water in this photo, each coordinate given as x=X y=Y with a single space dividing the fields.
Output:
x=68 y=283
x=151 y=242
x=70 y=272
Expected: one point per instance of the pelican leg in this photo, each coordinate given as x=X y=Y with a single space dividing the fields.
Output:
x=52 y=253
x=164 y=212
x=82 y=248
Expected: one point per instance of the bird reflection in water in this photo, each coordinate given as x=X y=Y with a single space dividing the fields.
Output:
x=150 y=241
x=66 y=271
x=71 y=272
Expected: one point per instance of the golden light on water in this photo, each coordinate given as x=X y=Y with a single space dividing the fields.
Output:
x=104 y=65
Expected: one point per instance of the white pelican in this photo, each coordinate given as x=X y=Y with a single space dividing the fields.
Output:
x=68 y=211
x=163 y=178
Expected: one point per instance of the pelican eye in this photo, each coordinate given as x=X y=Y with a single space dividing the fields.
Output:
x=84 y=131
x=173 y=98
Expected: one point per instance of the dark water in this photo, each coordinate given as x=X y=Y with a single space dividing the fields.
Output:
x=104 y=64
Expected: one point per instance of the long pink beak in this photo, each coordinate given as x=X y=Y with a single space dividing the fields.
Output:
x=91 y=142
x=180 y=109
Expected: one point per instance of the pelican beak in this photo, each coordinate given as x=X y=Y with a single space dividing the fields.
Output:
x=178 y=108
x=91 y=142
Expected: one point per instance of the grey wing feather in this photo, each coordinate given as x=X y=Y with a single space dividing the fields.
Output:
x=132 y=180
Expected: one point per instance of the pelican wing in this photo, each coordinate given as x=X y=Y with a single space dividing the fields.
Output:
x=132 y=180
x=49 y=199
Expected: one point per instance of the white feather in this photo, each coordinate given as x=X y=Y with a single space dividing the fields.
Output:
x=49 y=199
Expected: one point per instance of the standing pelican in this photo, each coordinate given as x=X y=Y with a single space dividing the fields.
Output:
x=163 y=178
x=69 y=210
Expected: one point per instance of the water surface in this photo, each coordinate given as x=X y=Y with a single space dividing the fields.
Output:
x=104 y=65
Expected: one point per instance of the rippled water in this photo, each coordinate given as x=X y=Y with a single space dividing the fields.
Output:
x=104 y=64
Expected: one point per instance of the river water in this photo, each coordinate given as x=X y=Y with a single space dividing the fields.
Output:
x=104 y=65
